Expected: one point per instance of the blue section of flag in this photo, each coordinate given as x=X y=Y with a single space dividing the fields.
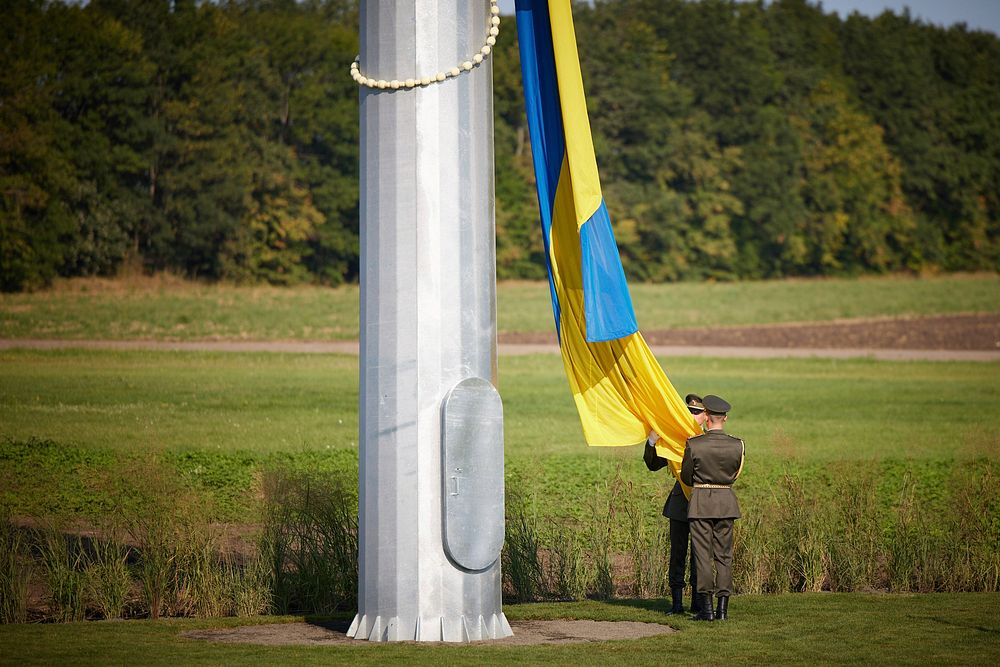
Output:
x=606 y=301
x=608 y=311
x=541 y=101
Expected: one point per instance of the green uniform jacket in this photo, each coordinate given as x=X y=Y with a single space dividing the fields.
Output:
x=712 y=458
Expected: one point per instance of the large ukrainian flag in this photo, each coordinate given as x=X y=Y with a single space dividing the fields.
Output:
x=620 y=390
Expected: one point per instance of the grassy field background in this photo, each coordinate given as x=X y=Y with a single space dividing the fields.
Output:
x=811 y=409
x=218 y=417
x=889 y=468
x=165 y=308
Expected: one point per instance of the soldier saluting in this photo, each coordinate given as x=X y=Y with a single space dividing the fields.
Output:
x=711 y=464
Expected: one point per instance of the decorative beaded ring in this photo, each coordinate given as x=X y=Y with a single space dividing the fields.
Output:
x=466 y=66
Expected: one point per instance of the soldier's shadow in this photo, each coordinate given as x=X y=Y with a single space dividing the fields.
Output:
x=658 y=606
x=960 y=624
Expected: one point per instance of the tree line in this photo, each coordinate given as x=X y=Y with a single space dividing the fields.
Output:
x=735 y=140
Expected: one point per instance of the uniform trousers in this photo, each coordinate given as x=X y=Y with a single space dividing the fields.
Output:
x=712 y=542
x=680 y=535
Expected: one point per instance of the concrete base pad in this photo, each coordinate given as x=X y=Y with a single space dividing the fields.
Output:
x=525 y=633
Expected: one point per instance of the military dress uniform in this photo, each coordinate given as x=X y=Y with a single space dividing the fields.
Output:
x=711 y=464
x=676 y=510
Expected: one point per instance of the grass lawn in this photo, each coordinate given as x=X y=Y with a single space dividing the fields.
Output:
x=134 y=401
x=799 y=629
x=217 y=417
x=813 y=409
x=71 y=419
x=169 y=309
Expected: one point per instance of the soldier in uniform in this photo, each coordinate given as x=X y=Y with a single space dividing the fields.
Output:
x=676 y=510
x=711 y=464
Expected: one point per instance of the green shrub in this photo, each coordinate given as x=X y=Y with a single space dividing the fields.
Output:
x=647 y=543
x=856 y=557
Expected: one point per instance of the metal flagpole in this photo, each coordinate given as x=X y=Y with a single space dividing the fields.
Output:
x=431 y=511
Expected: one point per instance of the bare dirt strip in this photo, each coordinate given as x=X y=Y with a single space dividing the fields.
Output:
x=939 y=332
x=525 y=633
x=967 y=337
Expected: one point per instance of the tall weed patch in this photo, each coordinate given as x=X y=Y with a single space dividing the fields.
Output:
x=15 y=572
x=521 y=562
x=855 y=531
x=250 y=585
x=647 y=543
x=896 y=526
x=568 y=575
x=108 y=577
x=855 y=558
x=63 y=564
x=168 y=525
x=310 y=540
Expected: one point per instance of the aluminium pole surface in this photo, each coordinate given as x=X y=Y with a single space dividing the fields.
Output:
x=431 y=459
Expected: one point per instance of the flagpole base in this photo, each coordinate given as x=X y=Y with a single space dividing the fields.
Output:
x=457 y=629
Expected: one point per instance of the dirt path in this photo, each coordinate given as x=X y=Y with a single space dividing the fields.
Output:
x=973 y=337
x=939 y=332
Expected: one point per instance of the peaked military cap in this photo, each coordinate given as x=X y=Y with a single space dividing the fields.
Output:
x=716 y=405
x=694 y=401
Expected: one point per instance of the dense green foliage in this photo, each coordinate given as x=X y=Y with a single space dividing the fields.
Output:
x=217 y=139
x=735 y=140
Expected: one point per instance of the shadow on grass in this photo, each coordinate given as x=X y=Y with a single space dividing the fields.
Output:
x=958 y=624
x=657 y=606
x=339 y=623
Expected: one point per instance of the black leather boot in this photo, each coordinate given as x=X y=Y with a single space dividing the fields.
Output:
x=695 y=601
x=722 y=610
x=705 y=614
x=678 y=598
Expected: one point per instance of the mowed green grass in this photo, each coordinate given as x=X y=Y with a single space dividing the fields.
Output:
x=165 y=309
x=810 y=409
x=795 y=629
x=136 y=401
